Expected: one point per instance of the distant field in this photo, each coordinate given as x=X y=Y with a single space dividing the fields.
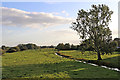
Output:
x=90 y=55
x=45 y=64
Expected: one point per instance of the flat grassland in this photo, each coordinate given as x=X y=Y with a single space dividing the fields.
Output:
x=90 y=55
x=44 y=63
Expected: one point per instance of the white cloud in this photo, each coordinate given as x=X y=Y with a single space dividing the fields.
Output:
x=55 y=13
x=49 y=37
x=64 y=12
x=59 y=36
x=16 y=17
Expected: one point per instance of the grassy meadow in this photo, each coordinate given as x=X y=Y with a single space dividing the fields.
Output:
x=90 y=55
x=43 y=63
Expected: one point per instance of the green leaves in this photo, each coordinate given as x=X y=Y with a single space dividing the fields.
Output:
x=93 y=25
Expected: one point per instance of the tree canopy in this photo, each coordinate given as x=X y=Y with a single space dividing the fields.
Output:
x=93 y=25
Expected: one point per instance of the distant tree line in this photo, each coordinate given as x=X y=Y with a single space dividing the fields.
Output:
x=84 y=45
x=48 y=46
x=67 y=46
x=22 y=47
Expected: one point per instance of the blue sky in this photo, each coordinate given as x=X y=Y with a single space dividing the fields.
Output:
x=30 y=25
x=71 y=7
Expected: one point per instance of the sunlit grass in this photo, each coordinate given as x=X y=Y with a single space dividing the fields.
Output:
x=90 y=55
x=77 y=54
x=45 y=64
x=79 y=69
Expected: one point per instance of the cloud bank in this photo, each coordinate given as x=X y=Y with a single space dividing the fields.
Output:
x=20 y=18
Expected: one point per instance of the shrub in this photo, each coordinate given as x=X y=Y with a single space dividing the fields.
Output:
x=22 y=47
x=13 y=49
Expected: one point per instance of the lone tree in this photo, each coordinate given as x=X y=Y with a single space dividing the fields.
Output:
x=93 y=25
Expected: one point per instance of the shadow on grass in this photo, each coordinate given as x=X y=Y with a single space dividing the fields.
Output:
x=112 y=62
x=68 y=69
x=115 y=61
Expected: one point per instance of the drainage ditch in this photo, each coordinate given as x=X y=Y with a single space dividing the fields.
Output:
x=87 y=62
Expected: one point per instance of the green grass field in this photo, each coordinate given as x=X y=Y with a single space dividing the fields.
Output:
x=45 y=64
x=90 y=55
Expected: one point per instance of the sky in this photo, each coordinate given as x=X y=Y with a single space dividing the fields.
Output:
x=45 y=23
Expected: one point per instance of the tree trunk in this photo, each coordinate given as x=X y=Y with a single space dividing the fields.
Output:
x=99 y=56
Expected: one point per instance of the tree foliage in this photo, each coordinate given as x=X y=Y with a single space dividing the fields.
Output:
x=92 y=25
x=67 y=46
x=73 y=47
x=60 y=46
x=20 y=47
x=31 y=46
x=13 y=49
x=3 y=47
x=118 y=42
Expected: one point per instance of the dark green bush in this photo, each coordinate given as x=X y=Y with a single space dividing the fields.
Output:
x=13 y=49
